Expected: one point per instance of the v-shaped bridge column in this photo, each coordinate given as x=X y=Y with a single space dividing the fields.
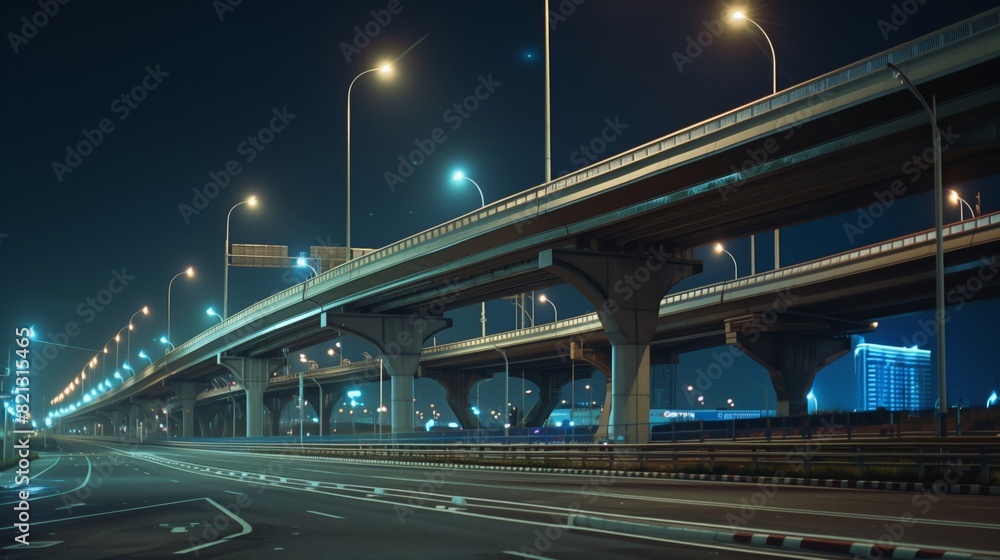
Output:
x=400 y=339
x=791 y=358
x=253 y=374
x=626 y=290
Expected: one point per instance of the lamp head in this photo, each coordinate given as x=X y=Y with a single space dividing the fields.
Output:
x=385 y=68
x=737 y=16
x=189 y=271
x=142 y=354
x=457 y=176
x=953 y=196
x=209 y=311
x=145 y=310
x=252 y=201
x=542 y=298
x=719 y=248
x=164 y=340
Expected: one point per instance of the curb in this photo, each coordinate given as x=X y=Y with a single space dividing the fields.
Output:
x=869 y=550
x=938 y=487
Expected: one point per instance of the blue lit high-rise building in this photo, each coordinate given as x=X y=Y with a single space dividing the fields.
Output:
x=892 y=377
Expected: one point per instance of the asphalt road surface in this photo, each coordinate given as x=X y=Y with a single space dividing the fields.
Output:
x=107 y=500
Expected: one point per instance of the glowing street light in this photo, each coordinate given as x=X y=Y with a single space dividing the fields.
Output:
x=815 y=401
x=165 y=340
x=720 y=249
x=212 y=312
x=383 y=69
x=304 y=263
x=740 y=16
x=956 y=199
x=542 y=298
x=190 y=273
x=143 y=355
x=458 y=176
x=938 y=247
x=128 y=337
x=331 y=352
x=252 y=201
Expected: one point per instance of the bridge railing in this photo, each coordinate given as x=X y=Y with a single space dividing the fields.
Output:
x=534 y=201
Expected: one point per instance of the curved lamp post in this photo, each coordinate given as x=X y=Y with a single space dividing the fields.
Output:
x=938 y=246
x=384 y=69
x=128 y=337
x=212 y=312
x=252 y=201
x=720 y=249
x=458 y=176
x=190 y=272
x=740 y=16
x=555 y=312
x=953 y=195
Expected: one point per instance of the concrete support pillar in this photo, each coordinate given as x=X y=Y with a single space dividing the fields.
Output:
x=791 y=358
x=186 y=392
x=400 y=339
x=626 y=289
x=253 y=374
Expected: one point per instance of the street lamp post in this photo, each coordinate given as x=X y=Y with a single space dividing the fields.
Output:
x=304 y=262
x=961 y=209
x=555 y=312
x=939 y=248
x=506 y=391
x=740 y=16
x=212 y=313
x=118 y=343
x=320 y=407
x=385 y=68
x=331 y=352
x=458 y=176
x=815 y=401
x=190 y=272
x=252 y=201
x=128 y=337
x=720 y=249
x=143 y=355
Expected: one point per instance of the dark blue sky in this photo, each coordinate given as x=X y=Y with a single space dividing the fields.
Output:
x=199 y=84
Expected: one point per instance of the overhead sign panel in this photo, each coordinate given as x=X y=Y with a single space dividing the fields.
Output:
x=260 y=256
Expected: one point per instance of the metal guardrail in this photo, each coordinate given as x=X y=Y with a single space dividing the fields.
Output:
x=711 y=294
x=927 y=460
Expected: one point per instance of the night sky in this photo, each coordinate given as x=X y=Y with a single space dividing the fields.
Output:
x=176 y=111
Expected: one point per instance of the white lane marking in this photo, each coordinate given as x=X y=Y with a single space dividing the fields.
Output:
x=324 y=514
x=523 y=555
x=86 y=481
x=247 y=529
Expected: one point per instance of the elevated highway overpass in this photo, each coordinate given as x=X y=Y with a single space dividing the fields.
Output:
x=819 y=148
